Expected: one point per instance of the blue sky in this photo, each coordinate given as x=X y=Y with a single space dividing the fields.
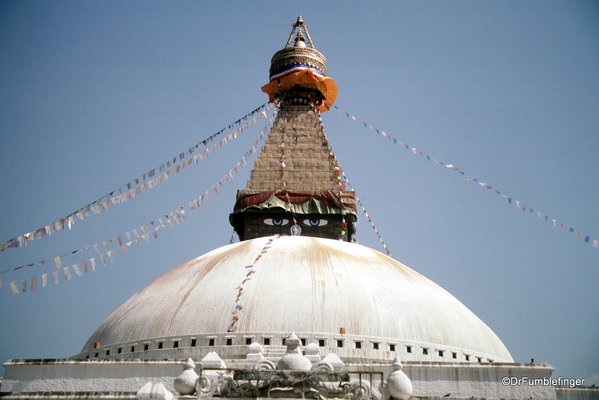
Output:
x=95 y=94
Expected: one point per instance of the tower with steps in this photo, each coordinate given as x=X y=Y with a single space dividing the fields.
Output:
x=296 y=186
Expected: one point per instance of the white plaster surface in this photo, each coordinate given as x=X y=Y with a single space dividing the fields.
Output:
x=301 y=284
x=430 y=380
x=152 y=390
x=89 y=376
x=478 y=380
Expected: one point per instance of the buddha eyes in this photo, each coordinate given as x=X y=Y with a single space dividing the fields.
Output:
x=312 y=222
x=275 y=221
x=315 y=222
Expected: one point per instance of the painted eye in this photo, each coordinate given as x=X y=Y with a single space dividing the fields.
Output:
x=275 y=221
x=314 y=222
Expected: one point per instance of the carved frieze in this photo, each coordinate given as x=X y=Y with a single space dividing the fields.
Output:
x=298 y=56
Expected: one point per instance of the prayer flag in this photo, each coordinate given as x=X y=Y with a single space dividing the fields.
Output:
x=56 y=277
x=145 y=235
x=136 y=238
x=122 y=244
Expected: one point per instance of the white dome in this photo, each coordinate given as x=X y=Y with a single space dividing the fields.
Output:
x=310 y=286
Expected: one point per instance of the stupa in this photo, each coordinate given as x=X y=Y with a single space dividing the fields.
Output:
x=295 y=309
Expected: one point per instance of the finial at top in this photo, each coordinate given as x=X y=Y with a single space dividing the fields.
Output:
x=301 y=65
x=300 y=24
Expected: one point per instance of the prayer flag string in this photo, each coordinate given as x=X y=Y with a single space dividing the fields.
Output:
x=338 y=173
x=149 y=179
x=251 y=269
x=376 y=231
x=510 y=200
x=282 y=169
x=134 y=236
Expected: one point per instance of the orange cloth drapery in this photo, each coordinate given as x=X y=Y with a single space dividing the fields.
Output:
x=308 y=79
